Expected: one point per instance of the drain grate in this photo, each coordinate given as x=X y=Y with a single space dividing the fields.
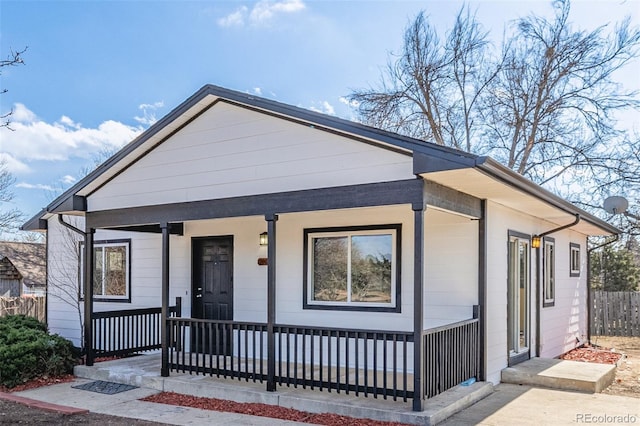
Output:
x=108 y=388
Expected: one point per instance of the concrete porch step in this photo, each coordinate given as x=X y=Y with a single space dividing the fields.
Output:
x=143 y=371
x=561 y=374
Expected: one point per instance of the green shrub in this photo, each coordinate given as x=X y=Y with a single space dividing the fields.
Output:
x=21 y=321
x=28 y=351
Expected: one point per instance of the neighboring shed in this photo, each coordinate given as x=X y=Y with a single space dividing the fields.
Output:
x=22 y=269
x=10 y=279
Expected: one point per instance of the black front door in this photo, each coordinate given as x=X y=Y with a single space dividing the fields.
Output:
x=212 y=292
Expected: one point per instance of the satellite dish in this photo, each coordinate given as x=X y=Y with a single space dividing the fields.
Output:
x=616 y=205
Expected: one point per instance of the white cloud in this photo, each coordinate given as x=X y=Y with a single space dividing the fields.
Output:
x=265 y=10
x=261 y=13
x=257 y=91
x=148 y=113
x=20 y=113
x=325 y=108
x=35 y=186
x=13 y=165
x=68 y=179
x=347 y=102
x=35 y=139
x=235 y=19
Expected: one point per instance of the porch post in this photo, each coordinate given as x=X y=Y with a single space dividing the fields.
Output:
x=418 y=306
x=164 y=325
x=482 y=291
x=271 y=301
x=88 y=295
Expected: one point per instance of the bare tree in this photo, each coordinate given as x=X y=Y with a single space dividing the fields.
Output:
x=432 y=90
x=549 y=113
x=63 y=279
x=8 y=218
x=14 y=58
x=545 y=107
x=64 y=283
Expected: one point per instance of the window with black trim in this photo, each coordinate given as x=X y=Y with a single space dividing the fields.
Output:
x=574 y=260
x=112 y=270
x=352 y=268
x=549 y=271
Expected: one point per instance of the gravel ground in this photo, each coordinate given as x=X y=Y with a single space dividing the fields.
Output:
x=627 y=381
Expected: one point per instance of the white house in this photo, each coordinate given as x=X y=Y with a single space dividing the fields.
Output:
x=393 y=266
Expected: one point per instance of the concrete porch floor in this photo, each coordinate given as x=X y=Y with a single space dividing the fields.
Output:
x=144 y=371
x=561 y=374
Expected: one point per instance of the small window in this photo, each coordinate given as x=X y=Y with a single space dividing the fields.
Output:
x=111 y=273
x=574 y=259
x=356 y=268
x=549 y=270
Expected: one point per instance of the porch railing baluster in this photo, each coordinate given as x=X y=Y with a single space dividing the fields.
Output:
x=344 y=358
x=126 y=332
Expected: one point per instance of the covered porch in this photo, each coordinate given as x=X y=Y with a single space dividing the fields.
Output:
x=400 y=353
x=144 y=371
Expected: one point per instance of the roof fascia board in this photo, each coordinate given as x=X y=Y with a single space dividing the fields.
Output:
x=424 y=162
x=72 y=203
x=36 y=223
x=508 y=176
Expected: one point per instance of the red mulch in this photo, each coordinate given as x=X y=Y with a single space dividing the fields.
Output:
x=39 y=382
x=263 y=410
x=594 y=354
x=106 y=358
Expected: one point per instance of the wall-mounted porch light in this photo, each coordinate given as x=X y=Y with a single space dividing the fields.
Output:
x=264 y=239
x=535 y=241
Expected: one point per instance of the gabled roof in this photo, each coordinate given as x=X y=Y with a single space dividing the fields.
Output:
x=27 y=259
x=8 y=271
x=430 y=160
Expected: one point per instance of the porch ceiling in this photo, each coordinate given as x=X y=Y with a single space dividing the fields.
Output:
x=475 y=182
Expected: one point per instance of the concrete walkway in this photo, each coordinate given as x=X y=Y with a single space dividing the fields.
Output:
x=507 y=405
x=526 y=405
x=127 y=404
x=561 y=375
x=144 y=371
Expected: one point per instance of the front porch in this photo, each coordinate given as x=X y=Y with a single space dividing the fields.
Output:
x=418 y=336
x=369 y=363
x=144 y=371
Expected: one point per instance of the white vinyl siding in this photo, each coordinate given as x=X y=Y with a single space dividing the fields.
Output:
x=564 y=326
x=229 y=151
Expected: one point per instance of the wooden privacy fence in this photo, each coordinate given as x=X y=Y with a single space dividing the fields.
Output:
x=615 y=313
x=30 y=306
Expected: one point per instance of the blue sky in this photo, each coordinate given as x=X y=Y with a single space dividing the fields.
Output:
x=98 y=73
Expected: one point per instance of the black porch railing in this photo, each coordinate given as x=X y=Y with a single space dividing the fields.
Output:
x=228 y=349
x=365 y=362
x=452 y=355
x=128 y=331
